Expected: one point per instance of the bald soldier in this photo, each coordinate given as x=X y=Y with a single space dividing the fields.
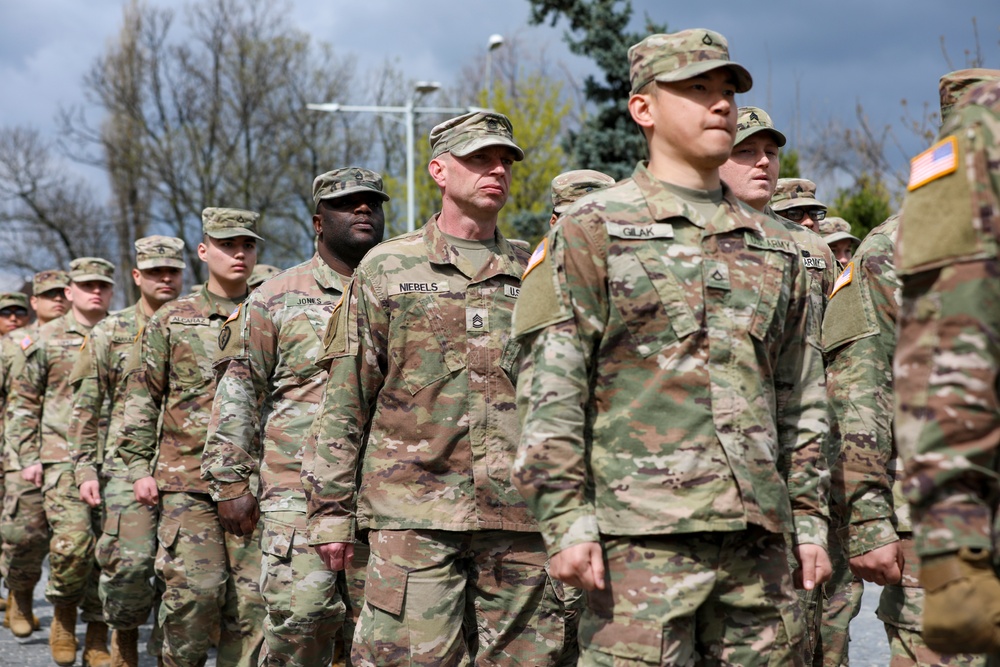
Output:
x=795 y=199
x=127 y=544
x=270 y=390
x=23 y=527
x=569 y=186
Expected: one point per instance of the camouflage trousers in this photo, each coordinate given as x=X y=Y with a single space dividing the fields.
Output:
x=452 y=598
x=308 y=607
x=73 y=572
x=900 y=608
x=841 y=603
x=24 y=531
x=693 y=599
x=210 y=578
x=125 y=553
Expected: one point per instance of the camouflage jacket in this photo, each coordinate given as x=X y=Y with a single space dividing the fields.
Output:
x=269 y=384
x=11 y=366
x=948 y=357
x=422 y=357
x=859 y=338
x=98 y=389
x=174 y=377
x=41 y=398
x=679 y=349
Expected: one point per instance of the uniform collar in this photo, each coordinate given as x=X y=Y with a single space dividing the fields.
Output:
x=209 y=304
x=326 y=277
x=439 y=251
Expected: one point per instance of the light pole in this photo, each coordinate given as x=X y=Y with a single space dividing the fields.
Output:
x=409 y=111
x=494 y=43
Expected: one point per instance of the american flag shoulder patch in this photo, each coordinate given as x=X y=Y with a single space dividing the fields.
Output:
x=844 y=279
x=939 y=160
x=537 y=257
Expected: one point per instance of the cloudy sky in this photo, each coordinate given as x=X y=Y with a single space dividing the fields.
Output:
x=812 y=62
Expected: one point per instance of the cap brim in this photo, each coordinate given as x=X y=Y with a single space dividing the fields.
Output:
x=156 y=263
x=840 y=236
x=350 y=191
x=742 y=135
x=232 y=234
x=798 y=202
x=92 y=276
x=483 y=142
x=744 y=81
x=12 y=303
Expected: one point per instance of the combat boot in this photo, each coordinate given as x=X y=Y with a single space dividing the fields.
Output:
x=125 y=648
x=19 y=618
x=95 y=647
x=62 y=635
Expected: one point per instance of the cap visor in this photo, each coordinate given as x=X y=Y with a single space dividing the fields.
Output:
x=749 y=132
x=92 y=276
x=156 y=263
x=841 y=236
x=798 y=202
x=352 y=190
x=483 y=142
x=743 y=79
x=232 y=234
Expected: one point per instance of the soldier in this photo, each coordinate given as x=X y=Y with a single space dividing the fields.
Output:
x=167 y=408
x=859 y=337
x=260 y=274
x=795 y=199
x=752 y=172
x=127 y=544
x=836 y=233
x=422 y=364
x=23 y=527
x=569 y=186
x=38 y=418
x=269 y=359
x=13 y=311
x=667 y=392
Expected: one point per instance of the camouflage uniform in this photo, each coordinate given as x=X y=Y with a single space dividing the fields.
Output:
x=569 y=186
x=421 y=355
x=947 y=360
x=269 y=384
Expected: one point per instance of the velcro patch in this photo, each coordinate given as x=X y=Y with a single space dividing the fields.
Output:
x=511 y=291
x=65 y=342
x=26 y=342
x=939 y=160
x=813 y=262
x=418 y=287
x=766 y=243
x=537 y=257
x=195 y=321
x=477 y=319
x=233 y=315
x=844 y=279
x=657 y=230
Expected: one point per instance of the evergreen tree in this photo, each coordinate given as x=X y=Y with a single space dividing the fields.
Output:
x=865 y=205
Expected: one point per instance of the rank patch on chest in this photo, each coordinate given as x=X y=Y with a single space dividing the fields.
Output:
x=716 y=275
x=477 y=320
x=657 y=230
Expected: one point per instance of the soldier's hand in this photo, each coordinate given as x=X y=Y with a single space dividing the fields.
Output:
x=336 y=555
x=33 y=474
x=961 y=603
x=90 y=492
x=880 y=566
x=581 y=565
x=239 y=516
x=814 y=566
x=146 y=491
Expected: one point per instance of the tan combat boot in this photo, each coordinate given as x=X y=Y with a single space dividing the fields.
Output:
x=125 y=648
x=95 y=647
x=62 y=635
x=19 y=618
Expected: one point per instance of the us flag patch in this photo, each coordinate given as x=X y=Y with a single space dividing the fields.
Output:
x=939 y=160
x=536 y=257
x=844 y=279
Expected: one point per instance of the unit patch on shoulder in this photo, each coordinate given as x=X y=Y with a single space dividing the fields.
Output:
x=939 y=160
x=537 y=257
x=844 y=279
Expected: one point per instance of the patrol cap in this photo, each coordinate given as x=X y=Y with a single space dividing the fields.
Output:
x=954 y=84
x=469 y=132
x=45 y=281
x=83 y=269
x=155 y=251
x=228 y=223
x=794 y=193
x=347 y=181
x=834 y=229
x=569 y=186
x=13 y=300
x=752 y=120
x=682 y=55
x=261 y=273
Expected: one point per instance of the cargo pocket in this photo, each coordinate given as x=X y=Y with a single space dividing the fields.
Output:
x=107 y=541
x=790 y=636
x=385 y=586
x=166 y=532
x=628 y=639
x=277 y=582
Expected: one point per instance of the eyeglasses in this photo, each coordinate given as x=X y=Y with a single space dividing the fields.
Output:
x=13 y=312
x=797 y=214
x=53 y=294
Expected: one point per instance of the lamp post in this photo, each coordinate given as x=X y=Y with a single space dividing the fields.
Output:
x=494 y=43
x=409 y=111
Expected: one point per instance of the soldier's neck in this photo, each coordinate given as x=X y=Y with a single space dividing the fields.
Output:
x=234 y=290
x=87 y=319
x=464 y=224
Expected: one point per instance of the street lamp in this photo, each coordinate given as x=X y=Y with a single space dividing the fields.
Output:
x=409 y=111
x=494 y=43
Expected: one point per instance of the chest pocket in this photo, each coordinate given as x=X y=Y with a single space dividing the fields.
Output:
x=420 y=345
x=190 y=366
x=771 y=293
x=648 y=296
x=301 y=350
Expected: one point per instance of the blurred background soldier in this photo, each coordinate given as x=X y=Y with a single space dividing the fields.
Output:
x=14 y=312
x=569 y=186
x=836 y=232
x=261 y=273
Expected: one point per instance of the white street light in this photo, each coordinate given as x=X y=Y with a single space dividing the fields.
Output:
x=409 y=111
x=494 y=43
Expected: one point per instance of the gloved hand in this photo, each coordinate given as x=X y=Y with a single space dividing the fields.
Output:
x=962 y=602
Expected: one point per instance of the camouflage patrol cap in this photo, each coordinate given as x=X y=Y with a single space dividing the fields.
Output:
x=13 y=300
x=228 y=223
x=794 y=193
x=261 y=273
x=45 y=281
x=834 y=229
x=569 y=186
x=347 y=181
x=83 y=269
x=469 y=132
x=682 y=55
x=752 y=120
x=954 y=84
x=155 y=251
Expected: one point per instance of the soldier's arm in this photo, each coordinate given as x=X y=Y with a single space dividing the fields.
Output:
x=88 y=401
x=22 y=424
x=146 y=387
x=356 y=349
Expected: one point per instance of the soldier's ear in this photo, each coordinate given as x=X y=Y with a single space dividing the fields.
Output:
x=438 y=170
